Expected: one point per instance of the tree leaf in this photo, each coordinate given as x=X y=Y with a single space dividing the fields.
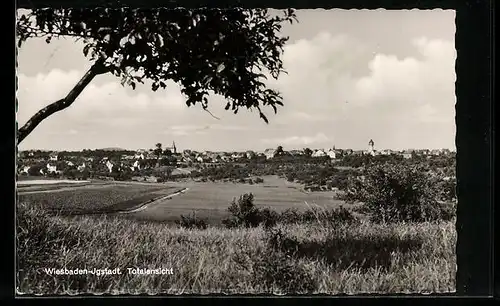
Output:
x=220 y=67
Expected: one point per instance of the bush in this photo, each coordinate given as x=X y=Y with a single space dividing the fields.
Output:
x=392 y=193
x=191 y=221
x=268 y=217
x=243 y=212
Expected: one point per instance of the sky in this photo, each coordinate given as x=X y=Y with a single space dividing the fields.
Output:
x=353 y=75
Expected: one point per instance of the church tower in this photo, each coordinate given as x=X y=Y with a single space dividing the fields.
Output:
x=174 y=149
x=371 y=146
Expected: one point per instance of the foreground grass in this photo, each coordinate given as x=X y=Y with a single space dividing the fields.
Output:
x=290 y=258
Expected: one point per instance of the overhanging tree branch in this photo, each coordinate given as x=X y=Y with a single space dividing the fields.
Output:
x=202 y=50
x=96 y=69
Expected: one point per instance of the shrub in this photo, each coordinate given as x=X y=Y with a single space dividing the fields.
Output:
x=243 y=212
x=392 y=193
x=268 y=217
x=192 y=221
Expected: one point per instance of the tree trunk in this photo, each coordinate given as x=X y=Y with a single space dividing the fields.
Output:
x=96 y=69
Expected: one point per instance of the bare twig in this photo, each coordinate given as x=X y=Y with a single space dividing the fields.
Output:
x=211 y=114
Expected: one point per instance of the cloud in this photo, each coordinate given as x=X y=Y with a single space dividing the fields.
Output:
x=298 y=140
x=402 y=87
x=185 y=130
x=221 y=127
x=108 y=102
x=335 y=77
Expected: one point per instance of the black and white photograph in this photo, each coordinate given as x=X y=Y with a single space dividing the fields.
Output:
x=235 y=151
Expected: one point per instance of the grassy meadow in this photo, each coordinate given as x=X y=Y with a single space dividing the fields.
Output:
x=360 y=257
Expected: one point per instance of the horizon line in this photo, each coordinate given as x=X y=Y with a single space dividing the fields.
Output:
x=221 y=150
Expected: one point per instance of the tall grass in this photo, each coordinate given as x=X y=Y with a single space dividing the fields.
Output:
x=288 y=258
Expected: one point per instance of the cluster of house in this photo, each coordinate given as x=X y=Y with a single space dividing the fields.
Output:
x=137 y=160
x=339 y=153
x=141 y=159
x=408 y=153
x=52 y=163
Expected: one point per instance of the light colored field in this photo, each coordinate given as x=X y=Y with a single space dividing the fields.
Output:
x=211 y=200
x=46 y=182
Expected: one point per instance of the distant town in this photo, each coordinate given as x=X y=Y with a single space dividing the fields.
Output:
x=114 y=163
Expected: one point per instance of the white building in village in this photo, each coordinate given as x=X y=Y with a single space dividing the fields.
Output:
x=82 y=167
x=25 y=170
x=139 y=155
x=52 y=169
x=332 y=154
x=136 y=165
x=319 y=153
x=269 y=153
x=53 y=156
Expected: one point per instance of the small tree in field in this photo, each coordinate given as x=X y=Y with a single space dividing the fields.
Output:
x=243 y=212
x=158 y=150
x=392 y=193
x=279 y=151
x=308 y=152
x=225 y=52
